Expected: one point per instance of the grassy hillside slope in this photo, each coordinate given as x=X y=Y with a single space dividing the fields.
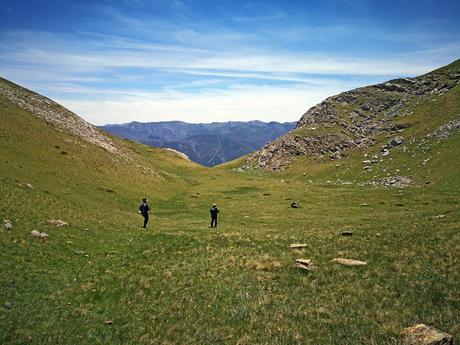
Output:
x=183 y=283
x=365 y=119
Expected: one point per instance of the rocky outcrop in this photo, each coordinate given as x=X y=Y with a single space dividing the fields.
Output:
x=353 y=119
x=444 y=131
x=57 y=116
x=275 y=156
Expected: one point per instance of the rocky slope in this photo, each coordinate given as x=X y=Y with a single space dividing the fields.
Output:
x=356 y=119
x=57 y=116
x=206 y=143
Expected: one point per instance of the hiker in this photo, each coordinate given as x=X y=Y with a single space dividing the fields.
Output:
x=144 y=210
x=214 y=211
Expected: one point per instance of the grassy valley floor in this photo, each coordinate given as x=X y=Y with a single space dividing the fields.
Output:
x=104 y=280
x=183 y=283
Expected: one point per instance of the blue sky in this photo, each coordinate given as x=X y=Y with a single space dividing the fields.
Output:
x=202 y=61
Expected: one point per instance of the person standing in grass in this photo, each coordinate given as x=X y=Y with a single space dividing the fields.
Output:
x=144 y=210
x=214 y=211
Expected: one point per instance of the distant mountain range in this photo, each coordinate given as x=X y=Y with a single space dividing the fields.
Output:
x=208 y=144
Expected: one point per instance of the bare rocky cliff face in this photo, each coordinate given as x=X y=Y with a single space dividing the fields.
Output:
x=353 y=119
x=56 y=115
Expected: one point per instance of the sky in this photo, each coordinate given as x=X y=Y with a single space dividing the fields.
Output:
x=217 y=60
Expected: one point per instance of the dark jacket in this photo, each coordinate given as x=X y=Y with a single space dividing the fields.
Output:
x=214 y=211
x=144 y=208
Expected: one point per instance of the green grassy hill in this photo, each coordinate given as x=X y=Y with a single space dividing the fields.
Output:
x=180 y=282
x=353 y=126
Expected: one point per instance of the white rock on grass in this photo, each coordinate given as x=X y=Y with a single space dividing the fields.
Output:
x=35 y=233
x=349 y=262
x=425 y=335
x=38 y=234
x=297 y=246
x=305 y=264
x=7 y=224
x=59 y=223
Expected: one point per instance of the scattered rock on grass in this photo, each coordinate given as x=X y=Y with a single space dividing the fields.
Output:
x=59 y=223
x=390 y=181
x=305 y=264
x=349 y=262
x=295 y=205
x=29 y=185
x=7 y=224
x=108 y=322
x=347 y=233
x=35 y=233
x=425 y=335
x=393 y=142
x=439 y=217
x=297 y=246
x=38 y=234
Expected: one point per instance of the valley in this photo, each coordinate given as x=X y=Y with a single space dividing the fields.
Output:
x=103 y=280
x=208 y=144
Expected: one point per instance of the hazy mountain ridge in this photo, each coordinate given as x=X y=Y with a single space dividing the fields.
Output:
x=208 y=144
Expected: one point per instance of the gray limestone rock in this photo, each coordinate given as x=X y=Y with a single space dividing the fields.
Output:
x=425 y=335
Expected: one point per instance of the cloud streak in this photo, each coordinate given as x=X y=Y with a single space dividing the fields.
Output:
x=112 y=52
x=266 y=103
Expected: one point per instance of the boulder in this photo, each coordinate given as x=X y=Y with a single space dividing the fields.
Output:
x=425 y=335
x=347 y=233
x=349 y=262
x=305 y=264
x=295 y=205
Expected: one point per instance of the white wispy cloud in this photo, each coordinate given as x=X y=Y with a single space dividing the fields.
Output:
x=87 y=71
x=266 y=103
x=57 y=51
